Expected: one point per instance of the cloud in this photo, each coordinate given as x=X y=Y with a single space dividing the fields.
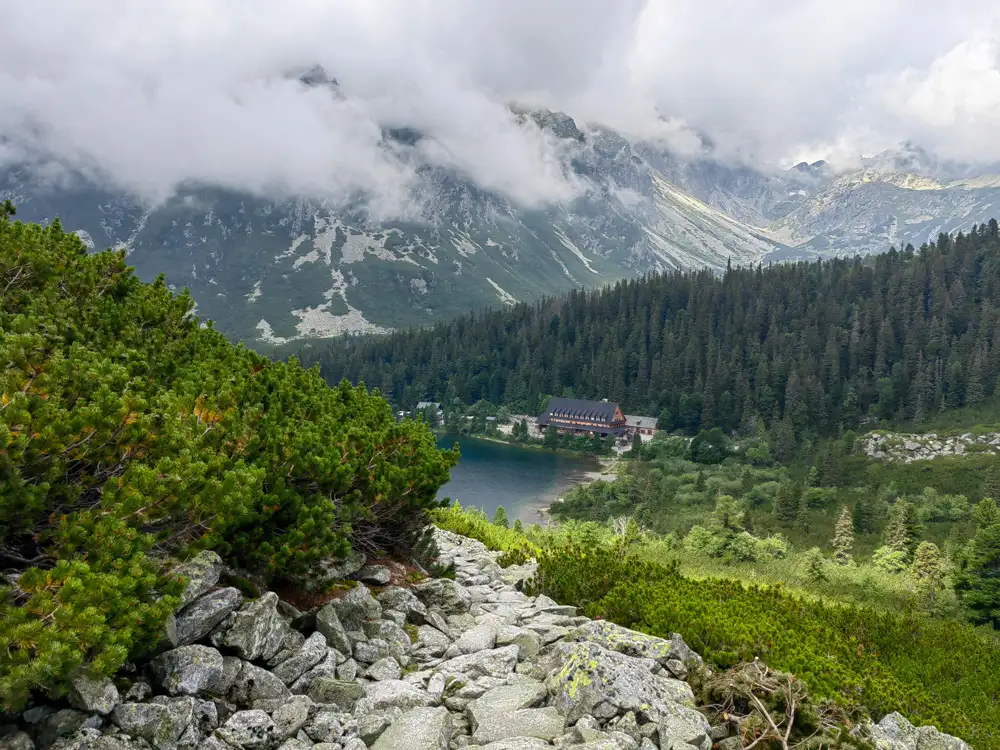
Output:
x=153 y=95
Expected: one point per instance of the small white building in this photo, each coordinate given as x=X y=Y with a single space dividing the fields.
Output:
x=645 y=426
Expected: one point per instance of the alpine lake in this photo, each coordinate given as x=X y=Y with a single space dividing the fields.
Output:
x=525 y=481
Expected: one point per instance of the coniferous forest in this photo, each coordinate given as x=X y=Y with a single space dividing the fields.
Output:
x=804 y=349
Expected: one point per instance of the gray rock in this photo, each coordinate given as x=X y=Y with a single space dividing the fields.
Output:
x=498 y=662
x=256 y=631
x=328 y=623
x=17 y=741
x=57 y=725
x=200 y=617
x=344 y=567
x=393 y=634
x=506 y=711
x=894 y=732
x=395 y=694
x=517 y=743
x=231 y=668
x=160 y=724
x=348 y=670
x=369 y=652
x=527 y=641
x=371 y=726
x=309 y=655
x=433 y=640
x=86 y=738
x=616 y=638
x=202 y=573
x=680 y=650
x=418 y=729
x=436 y=685
x=94 y=695
x=353 y=743
x=293 y=743
x=680 y=724
x=483 y=637
x=138 y=691
x=188 y=670
x=340 y=693
x=36 y=714
x=325 y=727
x=405 y=601
x=445 y=594
x=250 y=730
x=354 y=608
x=384 y=669
x=292 y=715
x=585 y=675
x=255 y=684
x=377 y=575
x=294 y=640
x=213 y=743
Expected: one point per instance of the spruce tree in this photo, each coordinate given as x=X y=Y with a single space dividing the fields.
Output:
x=977 y=581
x=843 y=538
x=903 y=532
x=928 y=565
x=802 y=518
x=500 y=517
x=864 y=516
x=786 y=502
x=636 y=449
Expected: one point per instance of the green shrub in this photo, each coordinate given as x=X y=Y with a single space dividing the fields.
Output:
x=129 y=433
x=871 y=660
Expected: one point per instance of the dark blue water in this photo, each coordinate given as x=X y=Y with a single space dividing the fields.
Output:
x=522 y=480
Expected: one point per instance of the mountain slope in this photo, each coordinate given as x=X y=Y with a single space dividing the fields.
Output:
x=273 y=271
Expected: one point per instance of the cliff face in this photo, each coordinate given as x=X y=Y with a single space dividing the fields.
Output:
x=465 y=663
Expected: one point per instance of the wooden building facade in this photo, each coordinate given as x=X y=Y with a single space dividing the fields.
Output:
x=583 y=417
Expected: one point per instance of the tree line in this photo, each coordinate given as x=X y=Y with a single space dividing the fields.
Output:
x=804 y=349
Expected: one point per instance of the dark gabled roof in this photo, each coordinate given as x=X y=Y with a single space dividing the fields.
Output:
x=572 y=408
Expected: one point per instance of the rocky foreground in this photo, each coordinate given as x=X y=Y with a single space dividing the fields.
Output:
x=471 y=663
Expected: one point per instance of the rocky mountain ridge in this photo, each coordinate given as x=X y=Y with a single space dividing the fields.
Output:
x=446 y=664
x=269 y=270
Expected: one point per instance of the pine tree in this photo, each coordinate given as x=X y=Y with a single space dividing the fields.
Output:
x=802 y=517
x=977 y=582
x=786 y=502
x=500 y=517
x=518 y=526
x=864 y=517
x=551 y=438
x=636 y=449
x=814 y=565
x=843 y=538
x=903 y=532
x=929 y=565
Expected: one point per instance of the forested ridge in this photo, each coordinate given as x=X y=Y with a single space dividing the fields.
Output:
x=805 y=348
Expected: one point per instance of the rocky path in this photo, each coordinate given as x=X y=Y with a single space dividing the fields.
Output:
x=447 y=664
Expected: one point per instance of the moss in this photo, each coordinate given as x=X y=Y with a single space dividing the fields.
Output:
x=412 y=631
x=244 y=585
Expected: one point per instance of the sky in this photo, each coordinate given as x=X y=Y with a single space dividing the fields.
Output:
x=149 y=96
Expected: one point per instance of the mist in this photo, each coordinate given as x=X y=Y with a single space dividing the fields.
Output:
x=149 y=97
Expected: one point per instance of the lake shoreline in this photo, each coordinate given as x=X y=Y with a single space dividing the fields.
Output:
x=493 y=473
